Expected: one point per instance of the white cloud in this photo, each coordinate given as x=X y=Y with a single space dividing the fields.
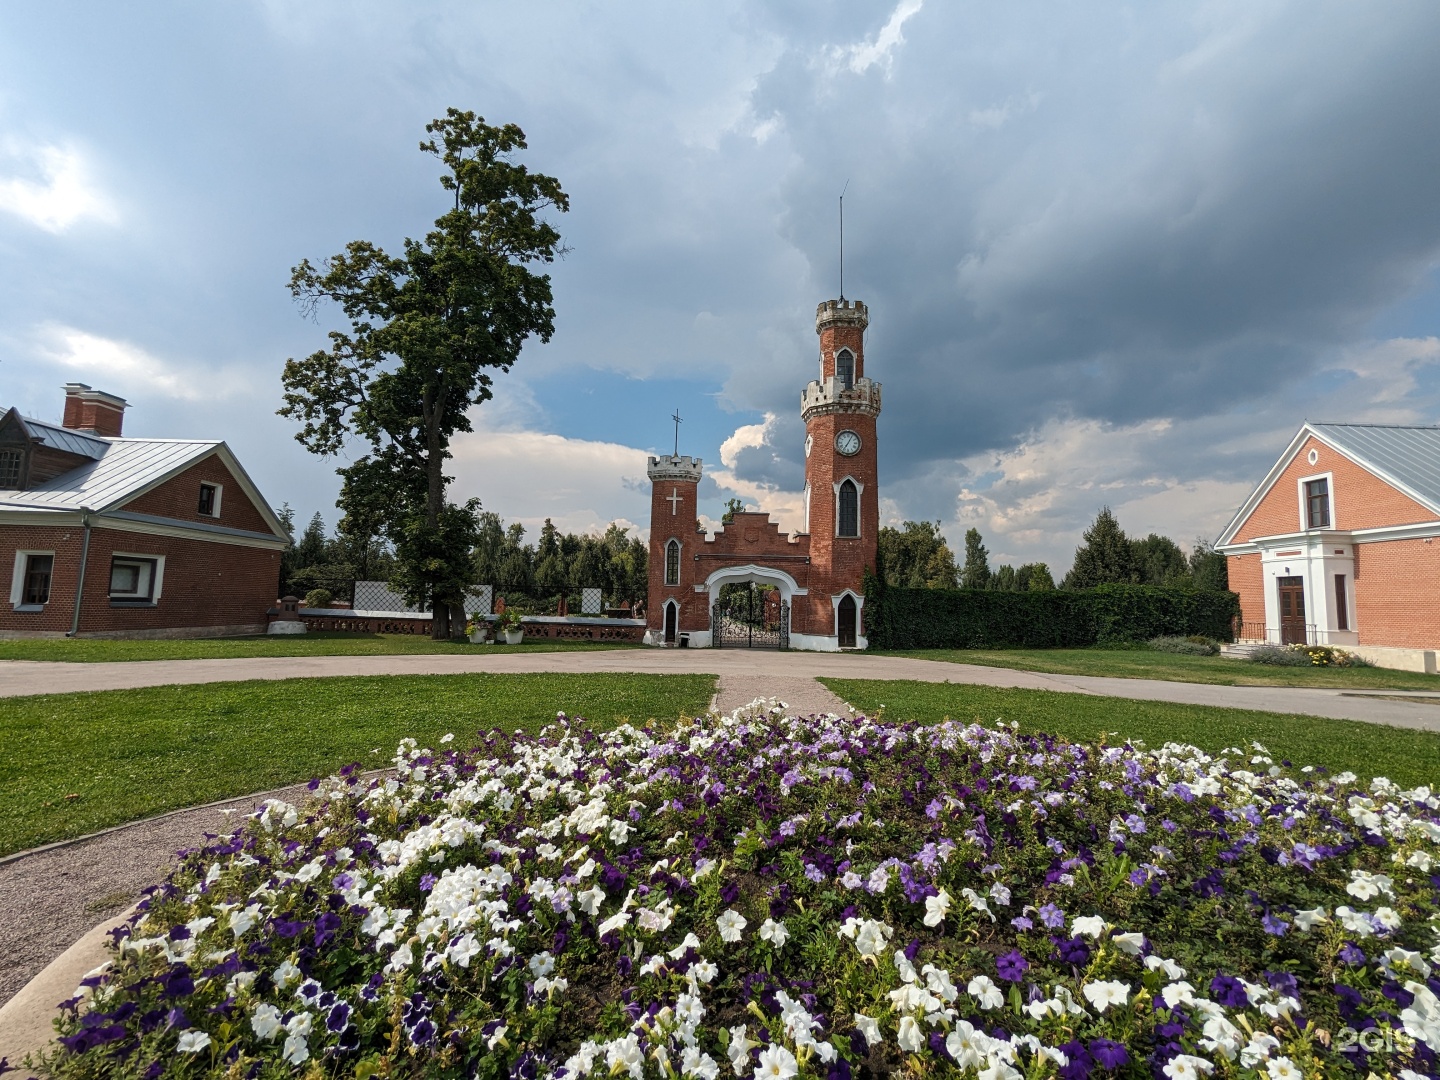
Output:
x=50 y=187
x=123 y=368
x=785 y=507
x=527 y=476
x=864 y=55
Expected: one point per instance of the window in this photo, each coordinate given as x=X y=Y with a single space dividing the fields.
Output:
x=209 y=500
x=1342 y=615
x=849 y=509
x=672 y=563
x=35 y=586
x=845 y=368
x=1317 y=504
x=10 y=464
x=132 y=580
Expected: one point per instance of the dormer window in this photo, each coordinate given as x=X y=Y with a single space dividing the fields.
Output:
x=845 y=369
x=12 y=463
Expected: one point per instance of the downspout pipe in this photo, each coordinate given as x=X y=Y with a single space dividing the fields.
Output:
x=80 y=584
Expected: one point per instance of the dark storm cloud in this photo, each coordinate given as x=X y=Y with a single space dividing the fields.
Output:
x=1153 y=212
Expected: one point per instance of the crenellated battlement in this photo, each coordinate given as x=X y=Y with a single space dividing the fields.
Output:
x=830 y=396
x=673 y=467
x=841 y=313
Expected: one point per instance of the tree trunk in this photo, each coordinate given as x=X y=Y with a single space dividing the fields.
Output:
x=431 y=407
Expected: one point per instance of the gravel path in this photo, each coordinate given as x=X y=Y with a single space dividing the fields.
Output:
x=51 y=897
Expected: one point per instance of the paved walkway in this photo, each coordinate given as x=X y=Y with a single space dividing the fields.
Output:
x=21 y=677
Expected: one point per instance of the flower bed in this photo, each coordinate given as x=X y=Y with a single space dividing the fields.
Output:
x=766 y=897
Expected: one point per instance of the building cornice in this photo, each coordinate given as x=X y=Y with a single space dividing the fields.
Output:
x=124 y=521
x=1259 y=545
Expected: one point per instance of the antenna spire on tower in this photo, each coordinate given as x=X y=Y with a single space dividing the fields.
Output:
x=677 y=420
x=842 y=238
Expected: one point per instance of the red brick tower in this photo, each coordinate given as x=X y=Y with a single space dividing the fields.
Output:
x=841 y=472
x=674 y=538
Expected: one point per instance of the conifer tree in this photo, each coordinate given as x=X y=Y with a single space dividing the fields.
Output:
x=976 y=574
x=1106 y=557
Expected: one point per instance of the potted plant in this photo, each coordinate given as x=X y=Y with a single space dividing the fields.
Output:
x=509 y=624
x=478 y=627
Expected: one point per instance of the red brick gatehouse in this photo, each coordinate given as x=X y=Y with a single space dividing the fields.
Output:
x=1337 y=544
x=815 y=573
x=108 y=536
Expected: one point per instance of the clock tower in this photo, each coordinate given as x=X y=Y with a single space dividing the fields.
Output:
x=842 y=502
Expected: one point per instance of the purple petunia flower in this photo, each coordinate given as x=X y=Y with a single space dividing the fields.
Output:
x=427 y=882
x=1052 y=916
x=1020 y=922
x=1351 y=955
x=1111 y=1055
x=1274 y=925
x=1012 y=966
x=1227 y=990
x=338 y=1019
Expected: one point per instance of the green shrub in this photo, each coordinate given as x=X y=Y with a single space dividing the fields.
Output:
x=899 y=618
x=319 y=598
x=1280 y=656
x=1194 y=645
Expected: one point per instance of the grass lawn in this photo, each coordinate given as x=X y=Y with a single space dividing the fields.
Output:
x=1143 y=664
x=128 y=754
x=318 y=643
x=1408 y=757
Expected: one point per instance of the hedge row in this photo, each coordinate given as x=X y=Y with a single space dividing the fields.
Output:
x=899 y=618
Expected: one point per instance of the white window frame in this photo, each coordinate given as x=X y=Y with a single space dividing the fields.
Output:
x=148 y=556
x=679 y=559
x=859 y=509
x=17 y=579
x=219 y=493
x=1329 y=478
x=807 y=505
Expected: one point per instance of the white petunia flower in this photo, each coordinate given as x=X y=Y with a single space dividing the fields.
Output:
x=1188 y=1067
x=1102 y=994
x=285 y=974
x=774 y=932
x=265 y=1021
x=936 y=908
x=400 y=959
x=730 y=923
x=296 y=1050
x=739 y=1049
x=192 y=1042
x=1282 y=1068
x=1310 y=918
x=704 y=970
x=1130 y=944
x=1089 y=925
x=983 y=989
x=910 y=1037
x=699 y=1064
x=776 y=1063
x=868 y=1027
x=591 y=899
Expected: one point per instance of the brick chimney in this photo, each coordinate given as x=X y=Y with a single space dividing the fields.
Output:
x=93 y=410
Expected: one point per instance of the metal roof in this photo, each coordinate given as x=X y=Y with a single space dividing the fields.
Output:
x=123 y=468
x=74 y=442
x=1409 y=456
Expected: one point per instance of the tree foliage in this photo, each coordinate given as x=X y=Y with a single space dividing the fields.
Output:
x=427 y=330
x=1105 y=558
x=917 y=556
x=976 y=573
x=616 y=563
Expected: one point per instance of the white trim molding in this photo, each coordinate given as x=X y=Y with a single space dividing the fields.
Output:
x=156 y=586
x=1300 y=482
x=764 y=575
x=860 y=640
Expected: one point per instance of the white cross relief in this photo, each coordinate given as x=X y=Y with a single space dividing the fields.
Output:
x=674 y=500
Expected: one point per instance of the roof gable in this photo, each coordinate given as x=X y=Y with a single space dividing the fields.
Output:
x=1406 y=459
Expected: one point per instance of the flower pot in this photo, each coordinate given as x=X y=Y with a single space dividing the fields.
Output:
x=479 y=637
x=514 y=637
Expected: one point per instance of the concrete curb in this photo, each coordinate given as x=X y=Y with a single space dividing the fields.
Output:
x=27 y=1019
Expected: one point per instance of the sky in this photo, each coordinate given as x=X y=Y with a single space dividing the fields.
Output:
x=1114 y=254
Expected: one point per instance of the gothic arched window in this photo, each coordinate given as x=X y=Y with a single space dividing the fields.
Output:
x=849 y=509
x=845 y=368
x=672 y=563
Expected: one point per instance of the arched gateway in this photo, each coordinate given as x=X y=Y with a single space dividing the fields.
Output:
x=750 y=584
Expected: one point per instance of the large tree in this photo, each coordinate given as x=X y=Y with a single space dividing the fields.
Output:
x=1105 y=558
x=976 y=573
x=427 y=330
x=916 y=556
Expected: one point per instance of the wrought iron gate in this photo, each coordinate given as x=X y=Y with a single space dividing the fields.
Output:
x=749 y=618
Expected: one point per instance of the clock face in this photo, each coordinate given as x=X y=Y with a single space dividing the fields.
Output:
x=809 y=442
x=848 y=443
